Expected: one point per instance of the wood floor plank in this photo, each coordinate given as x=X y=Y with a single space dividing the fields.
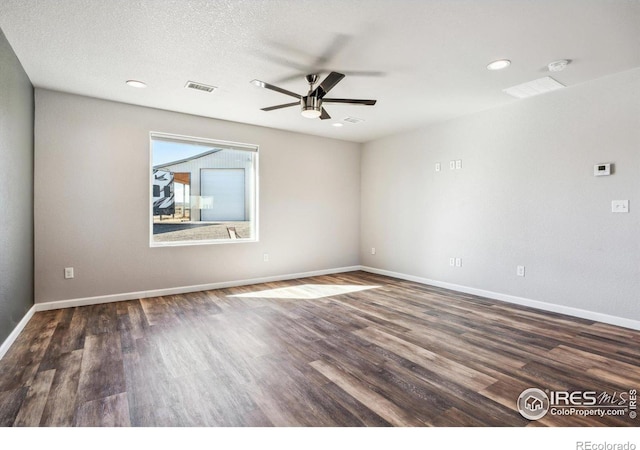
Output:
x=21 y=363
x=10 y=403
x=102 y=371
x=365 y=416
x=102 y=319
x=389 y=411
x=33 y=405
x=466 y=376
x=350 y=349
x=110 y=411
x=453 y=417
x=74 y=338
x=55 y=347
x=60 y=408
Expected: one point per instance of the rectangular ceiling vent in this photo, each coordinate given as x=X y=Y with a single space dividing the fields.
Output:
x=352 y=120
x=200 y=86
x=535 y=87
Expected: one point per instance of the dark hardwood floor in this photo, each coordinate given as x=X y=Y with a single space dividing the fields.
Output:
x=352 y=349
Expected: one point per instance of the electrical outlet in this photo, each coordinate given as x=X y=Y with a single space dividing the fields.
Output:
x=265 y=257
x=520 y=271
x=68 y=272
x=373 y=250
x=452 y=262
x=458 y=164
x=458 y=262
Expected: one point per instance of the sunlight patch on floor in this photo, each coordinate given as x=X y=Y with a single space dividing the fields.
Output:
x=306 y=291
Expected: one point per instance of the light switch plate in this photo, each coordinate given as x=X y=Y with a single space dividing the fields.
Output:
x=438 y=167
x=620 y=206
x=452 y=165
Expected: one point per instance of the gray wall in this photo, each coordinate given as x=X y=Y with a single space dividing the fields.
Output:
x=16 y=191
x=526 y=195
x=92 y=202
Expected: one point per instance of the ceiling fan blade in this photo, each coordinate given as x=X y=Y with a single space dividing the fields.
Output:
x=327 y=84
x=262 y=84
x=286 y=105
x=319 y=70
x=324 y=115
x=336 y=45
x=364 y=73
x=350 y=101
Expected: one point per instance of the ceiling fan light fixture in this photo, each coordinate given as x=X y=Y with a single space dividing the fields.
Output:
x=311 y=107
x=311 y=112
x=499 y=64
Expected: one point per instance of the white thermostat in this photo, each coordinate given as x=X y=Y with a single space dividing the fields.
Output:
x=600 y=170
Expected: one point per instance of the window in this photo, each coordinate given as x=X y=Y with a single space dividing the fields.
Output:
x=202 y=191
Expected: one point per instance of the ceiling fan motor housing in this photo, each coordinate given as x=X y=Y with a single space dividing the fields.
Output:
x=311 y=106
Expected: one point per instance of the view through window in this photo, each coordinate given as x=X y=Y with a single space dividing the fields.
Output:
x=203 y=191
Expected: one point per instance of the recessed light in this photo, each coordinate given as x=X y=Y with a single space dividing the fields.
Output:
x=136 y=84
x=338 y=124
x=499 y=64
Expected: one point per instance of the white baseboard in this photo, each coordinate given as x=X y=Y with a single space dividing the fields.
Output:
x=59 y=304
x=551 y=307
x=4 y=348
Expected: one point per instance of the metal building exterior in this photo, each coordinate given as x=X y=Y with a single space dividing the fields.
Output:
x=219 y=184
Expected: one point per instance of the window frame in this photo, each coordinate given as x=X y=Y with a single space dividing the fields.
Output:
x=254 y=195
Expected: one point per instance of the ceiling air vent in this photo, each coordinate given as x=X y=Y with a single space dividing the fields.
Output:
x=352 y=120
x=200 y=86
x=535 y=87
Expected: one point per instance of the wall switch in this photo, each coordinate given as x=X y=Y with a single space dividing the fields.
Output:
x=458 y=262
x=438 y=167
x=520 y=271
x=68 y=272
x=265 y=257
x=373 y=250
x=458 y=164
x=452 y=262
x=452 y=165
x=620 y=206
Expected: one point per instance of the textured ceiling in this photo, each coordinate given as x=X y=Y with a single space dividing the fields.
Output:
x=424 y=61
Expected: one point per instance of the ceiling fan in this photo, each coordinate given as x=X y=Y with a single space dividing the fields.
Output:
x=311 y=103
